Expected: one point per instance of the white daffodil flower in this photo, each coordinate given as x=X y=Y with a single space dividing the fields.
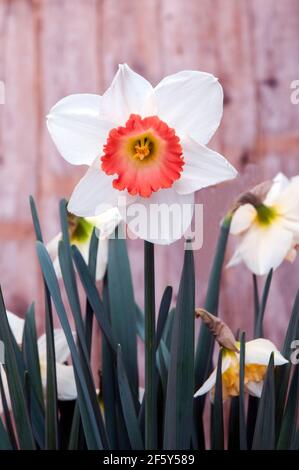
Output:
x=257 y=356
x=66 y=385
x=269 y=228
x=80 y=232
x=143 y=145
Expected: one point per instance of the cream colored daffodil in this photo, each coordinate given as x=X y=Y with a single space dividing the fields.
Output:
x=268 y=227
x=66 y=385
x=80 y=231
x=144 y=145
x=257 y=356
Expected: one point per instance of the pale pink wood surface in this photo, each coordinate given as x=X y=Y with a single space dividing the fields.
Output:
x=51 y=48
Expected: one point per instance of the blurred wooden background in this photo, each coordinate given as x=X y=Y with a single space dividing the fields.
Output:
x=51 y=48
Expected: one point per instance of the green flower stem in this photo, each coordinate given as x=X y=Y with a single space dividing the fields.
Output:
x=150 y=366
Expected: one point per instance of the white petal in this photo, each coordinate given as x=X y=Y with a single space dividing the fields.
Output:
x=52 y=246
x=57 y=268
x=77 y=129
x=264 y=248
x=129 y=93
x=66 y=385
x=203 y=167
x=107 y=222
x=62 y=351
x=192 y=103
x=211 y=381
x=242 y=219
x=255 y=388
x=235 y=259
x=102 y=259
x=258 y=351
x=162 y=218
x=288 y=203
x=94 y=193
x=280 y=182
x=16 y=325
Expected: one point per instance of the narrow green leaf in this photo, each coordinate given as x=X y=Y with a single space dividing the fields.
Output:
x=163 y=313
x=140 y=322
x=123 y=307
x=7 y=416
x=150 y=348
x=205 y=341
x=217 y=437
x=92 y=266
x=242 y=416
x=109 y=381
x=15 y=384
x=51 y=403
x=264 y=434
x=258 y=329
x=128 y=406
x=256 y=299
x=31 y=359
x=5 y=443
x=93 y=296
x=289 y=421
x=35 y=219
x=180 y=383
x=75 y=439
x=282 y=373
x=163 y=360
x=234 y=425
x=89 y=422
x=73 y=296
x=253 y=404
x=295 y=442
x=167 y=332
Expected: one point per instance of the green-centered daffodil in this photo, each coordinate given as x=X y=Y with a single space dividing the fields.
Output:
x=80 y=232
x=268 y=226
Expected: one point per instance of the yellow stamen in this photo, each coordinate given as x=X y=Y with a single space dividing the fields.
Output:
x=254 y=372
x=142 y=151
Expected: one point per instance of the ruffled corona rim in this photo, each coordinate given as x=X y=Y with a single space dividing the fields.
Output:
x=146 y=154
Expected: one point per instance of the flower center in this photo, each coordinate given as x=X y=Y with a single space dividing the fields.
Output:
x=79 y=229
x=145 y=154
x=143 y=149
x=265 y=214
